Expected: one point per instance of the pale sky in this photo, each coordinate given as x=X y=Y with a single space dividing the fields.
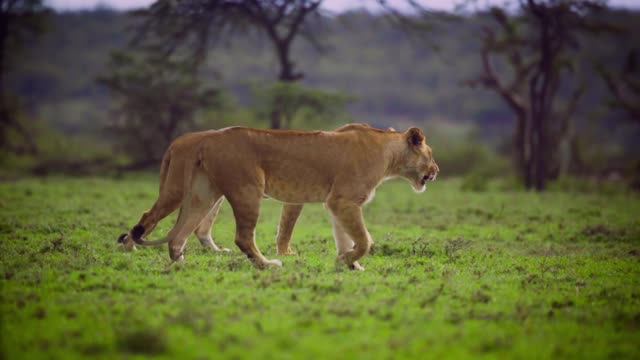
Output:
x=333 y=5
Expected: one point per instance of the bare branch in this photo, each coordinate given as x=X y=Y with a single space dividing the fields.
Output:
x=630 y=106
x=491 y=80
x=299 y=18
x=572 y=105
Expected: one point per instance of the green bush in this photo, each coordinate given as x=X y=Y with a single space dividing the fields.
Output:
x=510 y=183
x=475 y=182
x=459 y=150
x=588 y=185
x=60 y=154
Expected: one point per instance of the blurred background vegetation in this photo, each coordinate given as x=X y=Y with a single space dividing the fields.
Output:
x=532 y=93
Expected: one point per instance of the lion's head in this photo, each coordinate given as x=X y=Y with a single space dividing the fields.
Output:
x=418 y=164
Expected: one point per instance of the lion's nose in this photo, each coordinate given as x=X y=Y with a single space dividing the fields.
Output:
x=434 y=172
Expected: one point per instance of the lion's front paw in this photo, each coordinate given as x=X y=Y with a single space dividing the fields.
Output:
x=223 y=250
x=176 y=255
x=288 y=251
x=273 y=263
x=129 y=247
x=342 y=261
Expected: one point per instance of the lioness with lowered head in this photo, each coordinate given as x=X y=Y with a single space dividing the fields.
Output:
x=339 y=168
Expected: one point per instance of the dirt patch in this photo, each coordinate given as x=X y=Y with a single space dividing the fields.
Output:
x=597 y=230
x=480 y=296
x=148 y=341
x=451 y=247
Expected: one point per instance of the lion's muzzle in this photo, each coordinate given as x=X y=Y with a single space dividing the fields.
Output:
x=433 y=172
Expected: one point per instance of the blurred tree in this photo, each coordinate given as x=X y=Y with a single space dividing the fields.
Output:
x=157 y=100
x=537 y=44
x=625 y=85
x=172 y=25
x=19 y=19
x=291 y=99
x=54 y=78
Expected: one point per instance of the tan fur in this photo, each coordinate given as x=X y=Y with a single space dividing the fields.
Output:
x=182 y=149
x=340 y=168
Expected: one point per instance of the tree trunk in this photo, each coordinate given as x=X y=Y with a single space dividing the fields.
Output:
x=541 y=169
x=5 y=117
x=529 y=149
x=287 y=74
x=520 y=147
x=276 y=119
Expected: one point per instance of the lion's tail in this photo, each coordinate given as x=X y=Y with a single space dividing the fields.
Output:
x=164 y=167
x=190 y=167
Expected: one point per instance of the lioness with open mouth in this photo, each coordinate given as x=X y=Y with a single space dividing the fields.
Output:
x=340 y=168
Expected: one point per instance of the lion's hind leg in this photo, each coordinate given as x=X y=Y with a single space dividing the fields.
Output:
x=169 y=199
x=288 y=218
x=203 y=231
x=195 y=206
x=246 y=209
x=166 y=203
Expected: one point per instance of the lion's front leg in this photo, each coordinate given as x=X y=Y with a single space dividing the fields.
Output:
x=344 y=244
x=352 y=238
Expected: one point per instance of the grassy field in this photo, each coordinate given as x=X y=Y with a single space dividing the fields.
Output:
x=452 y=274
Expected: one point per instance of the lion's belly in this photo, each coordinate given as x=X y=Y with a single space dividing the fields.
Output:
x=296 y=187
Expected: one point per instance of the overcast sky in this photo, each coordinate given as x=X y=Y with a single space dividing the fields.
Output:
x=334 y=5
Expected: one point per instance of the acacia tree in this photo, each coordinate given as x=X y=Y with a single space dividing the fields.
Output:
x=187 y=27
x=537 y=45
x=19 y=19
x=292 y=99
x=157 y=99
x=624 y=85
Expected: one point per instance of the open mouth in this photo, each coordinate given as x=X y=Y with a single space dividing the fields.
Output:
x=430 y=177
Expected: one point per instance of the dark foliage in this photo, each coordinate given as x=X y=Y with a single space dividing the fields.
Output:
x=157 y=100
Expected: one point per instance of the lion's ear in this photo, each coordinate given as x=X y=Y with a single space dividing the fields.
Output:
x=414 y=136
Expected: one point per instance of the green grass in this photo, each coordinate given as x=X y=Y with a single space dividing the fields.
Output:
x=455 y=274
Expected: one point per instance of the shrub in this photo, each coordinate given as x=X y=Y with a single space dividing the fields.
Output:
x=588 y=185
x=475 y=182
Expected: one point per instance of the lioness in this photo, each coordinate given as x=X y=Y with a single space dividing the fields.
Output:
x=340 y=168
x=181 y=151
